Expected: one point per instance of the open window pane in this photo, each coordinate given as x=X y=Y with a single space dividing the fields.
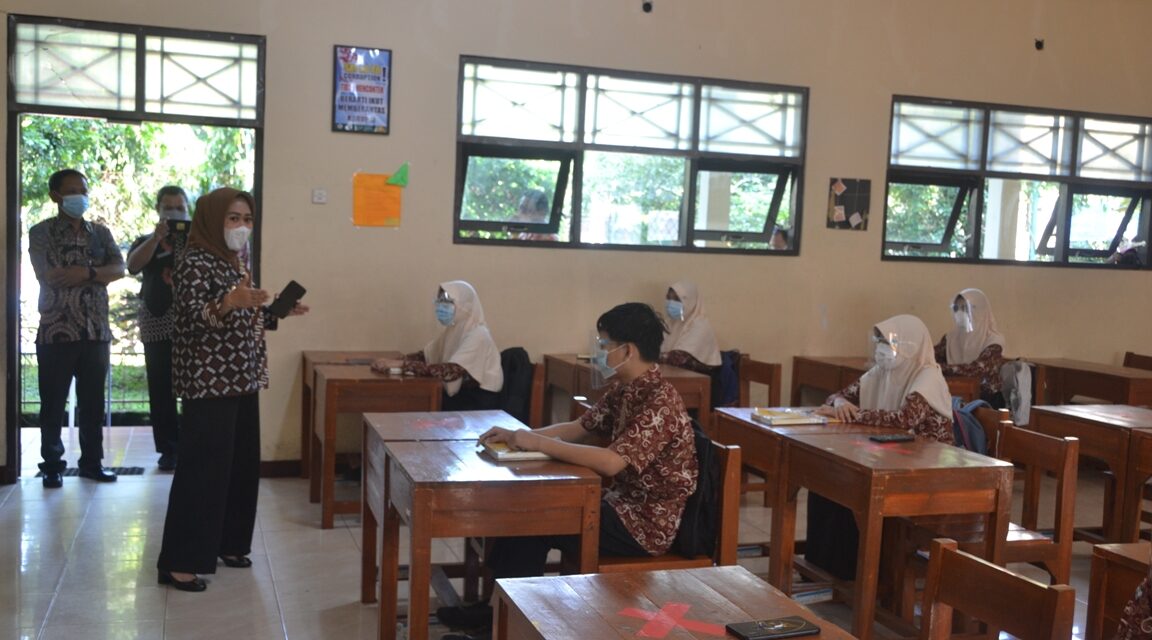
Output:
x=1116 y=150
x=638 y=113
x=201 y=77
x=927 y=220
x=937 y=136
x=741 y=202
x=1098 y=220
x=632 y=199
x=512 y=198
x=1016 y=214
x=56 y=65
x=751 y=122
x=519 y=103
x=1029 y=143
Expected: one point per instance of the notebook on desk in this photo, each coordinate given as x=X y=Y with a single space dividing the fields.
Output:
x=501 y=452
x=782 y=416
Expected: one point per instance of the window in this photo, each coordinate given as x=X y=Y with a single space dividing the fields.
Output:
x=1007 y=184
x=583 y=157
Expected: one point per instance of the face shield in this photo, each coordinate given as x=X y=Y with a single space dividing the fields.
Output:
x=886 y=351
x=601 y=371
x=962 y=315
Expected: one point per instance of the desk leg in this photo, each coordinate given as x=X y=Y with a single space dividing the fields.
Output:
x=1116 y=509
x=419 y=567
x=367 y=536
x=389 y=571
x=871 y=525
x=305 y=429
x=590 y=538
x=314 y=465
x=328 y=468
x=783 y=536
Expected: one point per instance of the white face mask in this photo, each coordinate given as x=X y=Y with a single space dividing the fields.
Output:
x=885 y=356
x=963 y=320
x=237 y=237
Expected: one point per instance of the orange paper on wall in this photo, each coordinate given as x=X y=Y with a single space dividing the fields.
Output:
x=375 y=203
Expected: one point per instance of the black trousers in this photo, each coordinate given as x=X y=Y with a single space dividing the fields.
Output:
x=212 y=504
x=833 y=537
x=161 y=401
x=470 y=399
x=527 y=556
x=58 y=363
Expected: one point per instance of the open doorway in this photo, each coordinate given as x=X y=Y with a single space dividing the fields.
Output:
x=126 y=164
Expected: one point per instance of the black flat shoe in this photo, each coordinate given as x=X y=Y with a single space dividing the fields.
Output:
x=167 y=462
x=195 y=585
x=53 y=480
x=99 y=474
x=236 y=562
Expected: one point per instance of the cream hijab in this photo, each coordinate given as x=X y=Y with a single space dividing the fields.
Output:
x=694 y=334
x=467 y=342
x=964 y=347
x=916 y=370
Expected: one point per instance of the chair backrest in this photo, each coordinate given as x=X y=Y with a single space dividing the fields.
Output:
x=516 y=395
x=1137 y=361
x=1001 y=599
x=1042 y=455
x=536 y=417
x=767 y=373
x=993 y=421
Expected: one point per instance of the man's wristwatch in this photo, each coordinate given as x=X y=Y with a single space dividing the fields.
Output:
x=91 y=273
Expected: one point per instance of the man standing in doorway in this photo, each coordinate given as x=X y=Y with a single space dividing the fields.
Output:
x=74 y=260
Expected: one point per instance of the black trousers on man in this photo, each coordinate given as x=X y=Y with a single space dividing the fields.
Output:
x=212 y=504
x=527 y=556
x=58 y=364
x=161 y=401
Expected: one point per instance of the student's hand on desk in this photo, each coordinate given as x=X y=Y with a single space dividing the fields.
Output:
x=384 y=364
x=519 y=439
x=843 y=411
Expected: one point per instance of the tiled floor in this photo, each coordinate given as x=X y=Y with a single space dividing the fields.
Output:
x=79 y=562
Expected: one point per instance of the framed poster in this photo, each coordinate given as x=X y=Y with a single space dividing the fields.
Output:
x=361 y=89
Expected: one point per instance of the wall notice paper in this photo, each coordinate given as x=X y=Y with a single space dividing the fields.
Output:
x=848 y=202
x=376 y=198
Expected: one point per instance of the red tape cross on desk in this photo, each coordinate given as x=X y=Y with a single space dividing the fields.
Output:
x=670 y=616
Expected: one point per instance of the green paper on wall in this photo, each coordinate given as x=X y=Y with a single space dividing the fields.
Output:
x=400 y=178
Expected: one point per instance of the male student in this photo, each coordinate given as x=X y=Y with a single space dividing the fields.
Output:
x=638 y=434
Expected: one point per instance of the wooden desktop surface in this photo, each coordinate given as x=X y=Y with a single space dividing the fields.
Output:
x=686 y=603
x=876 y=481
x=1058 y=379
x=445 y=489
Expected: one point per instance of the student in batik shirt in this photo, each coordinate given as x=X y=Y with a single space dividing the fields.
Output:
x=219 y=365
x=974 y=347
x=903 y=389
x=638 y=435
x=464 y=356
x=691 y=342
x=1136 y=621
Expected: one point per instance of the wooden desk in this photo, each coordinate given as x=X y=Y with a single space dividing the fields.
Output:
x=686 y=603
x=308 y=382
x=877 y=481
x=355 y=389
x=574 y=376
x=443 y=489
x=1117 y=569
x=833 y=373
x=415 y=427
x=1105 y=431
x=1058 y=379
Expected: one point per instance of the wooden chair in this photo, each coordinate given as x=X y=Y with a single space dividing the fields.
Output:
x=999 y=598
x=726 y=530
x=1137 y=361
x=994 y=421
x=1039 y=456
x=766 y=373
x=536 y=418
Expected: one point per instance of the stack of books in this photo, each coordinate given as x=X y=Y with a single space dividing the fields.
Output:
x=782 y=416
x=501 y=452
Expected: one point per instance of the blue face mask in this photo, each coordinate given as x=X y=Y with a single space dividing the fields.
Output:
x=600 y=361
x=445 y=313
x=674 y=309
x=74 y=205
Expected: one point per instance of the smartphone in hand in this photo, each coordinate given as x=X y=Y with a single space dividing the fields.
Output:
x=287 y=299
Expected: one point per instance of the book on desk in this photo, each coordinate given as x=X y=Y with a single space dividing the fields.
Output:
x=501 y=452
x=783 y=416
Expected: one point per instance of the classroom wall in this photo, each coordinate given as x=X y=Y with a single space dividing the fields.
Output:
x=373 y=288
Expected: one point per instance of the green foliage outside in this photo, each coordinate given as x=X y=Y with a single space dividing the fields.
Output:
x=126 y=164
x=919 y=213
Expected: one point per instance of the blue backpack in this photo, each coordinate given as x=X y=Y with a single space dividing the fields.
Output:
x=966 y=428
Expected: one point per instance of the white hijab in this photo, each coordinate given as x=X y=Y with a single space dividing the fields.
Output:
x=964 y=347
x=466 y=341
x=916 y=370
x=694 y=334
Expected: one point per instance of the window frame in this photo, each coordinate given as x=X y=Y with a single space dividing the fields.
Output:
x=792 y=168
x=1071 y=183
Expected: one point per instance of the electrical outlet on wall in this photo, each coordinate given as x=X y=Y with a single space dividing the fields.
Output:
x=319 y=196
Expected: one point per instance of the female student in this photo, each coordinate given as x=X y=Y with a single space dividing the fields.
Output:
x=691 y=342
x=904 y=389
x=464 y=356
x=974 y=347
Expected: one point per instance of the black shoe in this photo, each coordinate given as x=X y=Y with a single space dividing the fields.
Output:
x=195 y=585
x=475 y=616
x=53 y=480
x=236 y=562
x=99 y=474
x=167 y=462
